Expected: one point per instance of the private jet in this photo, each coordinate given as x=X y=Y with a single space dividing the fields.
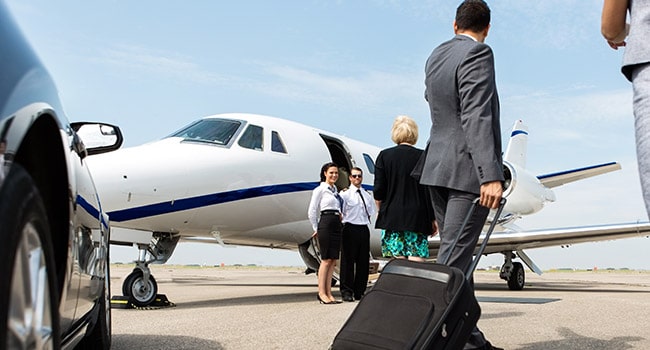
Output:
x=245 y=179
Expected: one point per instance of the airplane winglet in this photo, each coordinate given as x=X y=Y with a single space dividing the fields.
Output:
x=564 y=177
x=518 y=145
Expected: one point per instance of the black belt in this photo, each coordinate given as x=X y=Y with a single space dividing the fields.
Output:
x=329 y=212
x=351 y=224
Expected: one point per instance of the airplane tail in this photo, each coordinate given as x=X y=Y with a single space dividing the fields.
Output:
x=518 y=145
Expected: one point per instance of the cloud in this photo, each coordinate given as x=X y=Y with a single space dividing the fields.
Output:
x=572 y=105
x=367 y=90
x=162 y=64
x=547 y=24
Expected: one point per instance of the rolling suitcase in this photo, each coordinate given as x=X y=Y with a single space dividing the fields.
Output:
x=416 y=305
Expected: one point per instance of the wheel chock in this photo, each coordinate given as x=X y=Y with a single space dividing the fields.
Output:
x=122 y=302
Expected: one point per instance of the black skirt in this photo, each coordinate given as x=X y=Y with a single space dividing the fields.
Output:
x=329 y=236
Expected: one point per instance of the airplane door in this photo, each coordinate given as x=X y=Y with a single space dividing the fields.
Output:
x=341 y=156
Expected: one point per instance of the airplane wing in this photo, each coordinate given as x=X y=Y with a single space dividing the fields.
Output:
x=564 y=177
x=517 y=241
x=511 y=241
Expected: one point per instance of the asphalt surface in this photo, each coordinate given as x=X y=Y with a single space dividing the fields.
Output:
x=276 y=308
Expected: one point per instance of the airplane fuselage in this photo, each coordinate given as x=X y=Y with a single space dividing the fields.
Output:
x=239 y=195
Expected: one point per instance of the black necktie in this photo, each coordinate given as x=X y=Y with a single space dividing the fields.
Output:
x=364 y=203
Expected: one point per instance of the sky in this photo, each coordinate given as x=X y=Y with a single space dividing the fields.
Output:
x=350 y=67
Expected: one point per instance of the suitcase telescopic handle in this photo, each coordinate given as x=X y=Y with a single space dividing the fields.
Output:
x=481 y=249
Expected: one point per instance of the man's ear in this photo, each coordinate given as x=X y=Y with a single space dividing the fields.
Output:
x=486 y=30
x=455 y=27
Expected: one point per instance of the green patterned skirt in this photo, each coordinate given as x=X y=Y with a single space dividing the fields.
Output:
x=404 y=243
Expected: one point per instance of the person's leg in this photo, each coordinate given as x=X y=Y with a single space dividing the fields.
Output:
x=362 y=262
x=323 y=282
x=330 y=274
x=347 y=262
x=458 y=205
x=641 y=104
x=329 y=239
x=451 y=208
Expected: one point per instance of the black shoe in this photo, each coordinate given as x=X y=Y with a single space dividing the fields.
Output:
x=489 y=346
x=358 y=297
x=347 y=298
x=325 y=302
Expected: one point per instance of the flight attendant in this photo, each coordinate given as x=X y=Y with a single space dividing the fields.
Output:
x=325 y=217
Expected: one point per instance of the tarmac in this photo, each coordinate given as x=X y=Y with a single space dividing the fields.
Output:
x=276 y=308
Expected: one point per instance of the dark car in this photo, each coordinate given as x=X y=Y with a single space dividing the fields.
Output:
x=54 y=237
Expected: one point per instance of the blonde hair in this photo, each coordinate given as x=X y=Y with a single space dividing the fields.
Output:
x=405 y=130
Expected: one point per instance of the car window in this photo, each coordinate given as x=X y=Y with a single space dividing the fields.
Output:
x=218 y=131
x=276 y=143
x=252 y=138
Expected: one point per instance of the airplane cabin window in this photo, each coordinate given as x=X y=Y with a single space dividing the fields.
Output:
x=252 y=138
x=276 y=143
x=369 y=163
x=218 y=131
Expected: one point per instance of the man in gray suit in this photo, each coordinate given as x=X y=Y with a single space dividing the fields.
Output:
x=463 y=159
x=636 y=68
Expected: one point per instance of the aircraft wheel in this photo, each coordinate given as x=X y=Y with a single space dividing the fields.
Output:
x=139 y=293
x=126 y=288
x=29 y=303
x=517 y=277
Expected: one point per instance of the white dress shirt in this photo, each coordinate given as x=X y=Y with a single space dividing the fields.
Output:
x=323 y=197
x=353 y=207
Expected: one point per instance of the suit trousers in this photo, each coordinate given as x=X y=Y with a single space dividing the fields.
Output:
x=451 y=207
x=641 y=105
x=355 y=255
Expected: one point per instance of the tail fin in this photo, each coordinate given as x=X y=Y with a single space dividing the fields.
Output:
x=518 y=145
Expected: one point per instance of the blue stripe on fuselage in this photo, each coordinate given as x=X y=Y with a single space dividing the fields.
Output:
x=83 y=203
x=207 y=200
x=575 y=170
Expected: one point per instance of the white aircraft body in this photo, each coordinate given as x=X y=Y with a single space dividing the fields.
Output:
x=243 y=179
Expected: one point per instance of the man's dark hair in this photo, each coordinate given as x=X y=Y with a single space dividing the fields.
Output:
x=473 y=15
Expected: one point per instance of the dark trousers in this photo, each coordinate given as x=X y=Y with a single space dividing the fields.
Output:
x=451 y=207
x=355 y=255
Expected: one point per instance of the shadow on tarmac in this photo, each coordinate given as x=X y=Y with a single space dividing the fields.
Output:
x=572 y=340
x=568 y=287
x=251 y=300
x=164 y=342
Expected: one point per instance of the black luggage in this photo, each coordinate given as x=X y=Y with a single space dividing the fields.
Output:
x=416 y=306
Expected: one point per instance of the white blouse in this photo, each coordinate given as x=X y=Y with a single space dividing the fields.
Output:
x=323 y=197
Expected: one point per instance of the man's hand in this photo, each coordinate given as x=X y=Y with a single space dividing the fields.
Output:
x=491 y=193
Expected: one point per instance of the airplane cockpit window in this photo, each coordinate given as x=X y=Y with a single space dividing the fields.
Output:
x=276 y=143
x=369 y=163
x=218 y=131
x=252 y=138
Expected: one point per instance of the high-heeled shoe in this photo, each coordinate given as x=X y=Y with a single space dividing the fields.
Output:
x=323 y=301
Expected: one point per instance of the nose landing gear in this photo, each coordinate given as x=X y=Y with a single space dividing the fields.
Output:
x=140 y=286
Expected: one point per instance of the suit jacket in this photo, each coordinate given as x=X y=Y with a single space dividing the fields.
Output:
x=465 y=139
x=637 y=48
x=405 y=204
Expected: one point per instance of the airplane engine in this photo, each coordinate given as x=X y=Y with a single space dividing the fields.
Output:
x=525 y=193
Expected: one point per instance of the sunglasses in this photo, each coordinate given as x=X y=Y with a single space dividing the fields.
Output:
x=356 y=176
